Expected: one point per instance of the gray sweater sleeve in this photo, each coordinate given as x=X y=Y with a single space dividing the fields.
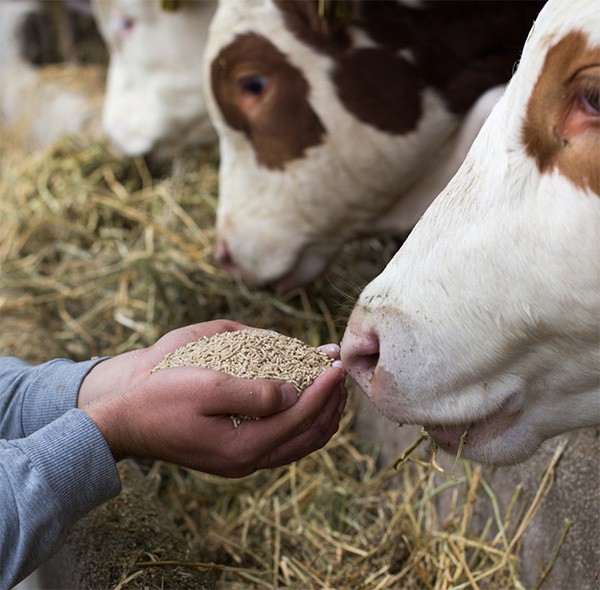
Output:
x=55 y=465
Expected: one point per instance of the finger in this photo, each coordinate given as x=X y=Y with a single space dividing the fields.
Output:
x=317 y=436
x=249 y=397
x=332 y=350
x=278 y=429
x=218 y=393
x=264 y=454
x=258 y=397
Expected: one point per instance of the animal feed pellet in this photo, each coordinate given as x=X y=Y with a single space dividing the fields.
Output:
x=253 y=354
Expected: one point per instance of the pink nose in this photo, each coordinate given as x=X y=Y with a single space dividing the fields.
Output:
x=225 y=260
x=360 y=354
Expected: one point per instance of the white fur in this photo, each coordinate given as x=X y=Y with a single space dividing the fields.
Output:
x=490 y=312
x=155 y=96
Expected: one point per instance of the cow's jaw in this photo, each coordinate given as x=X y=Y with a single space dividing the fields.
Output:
x=418 y=374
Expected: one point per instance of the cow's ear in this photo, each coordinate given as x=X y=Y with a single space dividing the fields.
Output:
x=322 y=24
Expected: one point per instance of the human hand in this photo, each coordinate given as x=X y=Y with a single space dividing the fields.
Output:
x=182 y=414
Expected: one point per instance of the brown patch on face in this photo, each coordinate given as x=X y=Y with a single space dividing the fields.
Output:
x=460 y=49
x=562 y=124
x=261 y=94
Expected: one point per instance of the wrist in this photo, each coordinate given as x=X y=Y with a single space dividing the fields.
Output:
x=112 y=374
x=103 y=414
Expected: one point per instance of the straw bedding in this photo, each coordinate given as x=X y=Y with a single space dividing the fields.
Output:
x=97 y=256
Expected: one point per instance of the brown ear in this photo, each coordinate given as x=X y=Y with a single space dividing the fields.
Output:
x=320 y=23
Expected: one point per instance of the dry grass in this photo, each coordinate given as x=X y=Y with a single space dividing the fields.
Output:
x=98 y=257
x=117 y=258
x=335 y=520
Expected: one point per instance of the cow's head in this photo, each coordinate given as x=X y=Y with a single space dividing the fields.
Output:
x=339 y=119
x=154 y=96
x=488 y=318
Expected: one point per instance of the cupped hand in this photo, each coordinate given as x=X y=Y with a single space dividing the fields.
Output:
x=182 y=414
x=124 y=370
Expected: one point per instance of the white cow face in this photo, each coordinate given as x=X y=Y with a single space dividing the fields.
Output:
x=154 y=97
x=328 y=130
x=488 y=318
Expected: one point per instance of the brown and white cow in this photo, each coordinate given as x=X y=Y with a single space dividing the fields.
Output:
x=487 y=320
x=347 y=122
x=154 y=94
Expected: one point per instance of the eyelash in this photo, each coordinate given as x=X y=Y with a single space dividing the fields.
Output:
x=587 y=93
x=590 y=98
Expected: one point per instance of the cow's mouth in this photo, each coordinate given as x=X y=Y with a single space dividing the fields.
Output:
x=469 y=435
x=307 y=269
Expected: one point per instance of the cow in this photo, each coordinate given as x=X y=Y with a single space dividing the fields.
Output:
x=485 y=326
x=154 y=93
x=339 y=120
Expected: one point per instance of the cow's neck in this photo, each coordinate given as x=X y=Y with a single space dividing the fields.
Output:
x=413 y=202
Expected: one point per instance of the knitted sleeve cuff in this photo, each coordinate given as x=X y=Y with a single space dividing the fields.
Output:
x=53 y=392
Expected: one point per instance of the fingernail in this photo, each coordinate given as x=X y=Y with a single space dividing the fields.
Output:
x=338 y=365
x=289 y=395
x=330 y=349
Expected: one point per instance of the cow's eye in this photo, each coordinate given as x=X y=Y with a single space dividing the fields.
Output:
x=254 y=85
x=127 y=25
x=590 y=99
x=122 y=26
x=587 y=88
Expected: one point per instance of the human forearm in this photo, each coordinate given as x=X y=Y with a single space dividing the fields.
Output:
x=48 y=481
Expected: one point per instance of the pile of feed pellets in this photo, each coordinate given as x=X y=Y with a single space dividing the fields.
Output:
x=253 y=354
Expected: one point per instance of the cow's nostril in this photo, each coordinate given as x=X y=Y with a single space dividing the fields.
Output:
x=224 y=257
x=365 y=364
x=360 y=353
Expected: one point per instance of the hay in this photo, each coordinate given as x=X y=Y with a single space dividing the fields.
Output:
x=118 y=258
x=334 y=520
x=97 y=257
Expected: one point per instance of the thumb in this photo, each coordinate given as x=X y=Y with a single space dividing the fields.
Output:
x=251 y=397
x=219 y=393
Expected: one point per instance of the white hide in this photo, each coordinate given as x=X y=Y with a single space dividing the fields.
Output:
x=283 y=226
x=12 y=15
x=39 y=105
x=154 y=96
x=489 y=315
